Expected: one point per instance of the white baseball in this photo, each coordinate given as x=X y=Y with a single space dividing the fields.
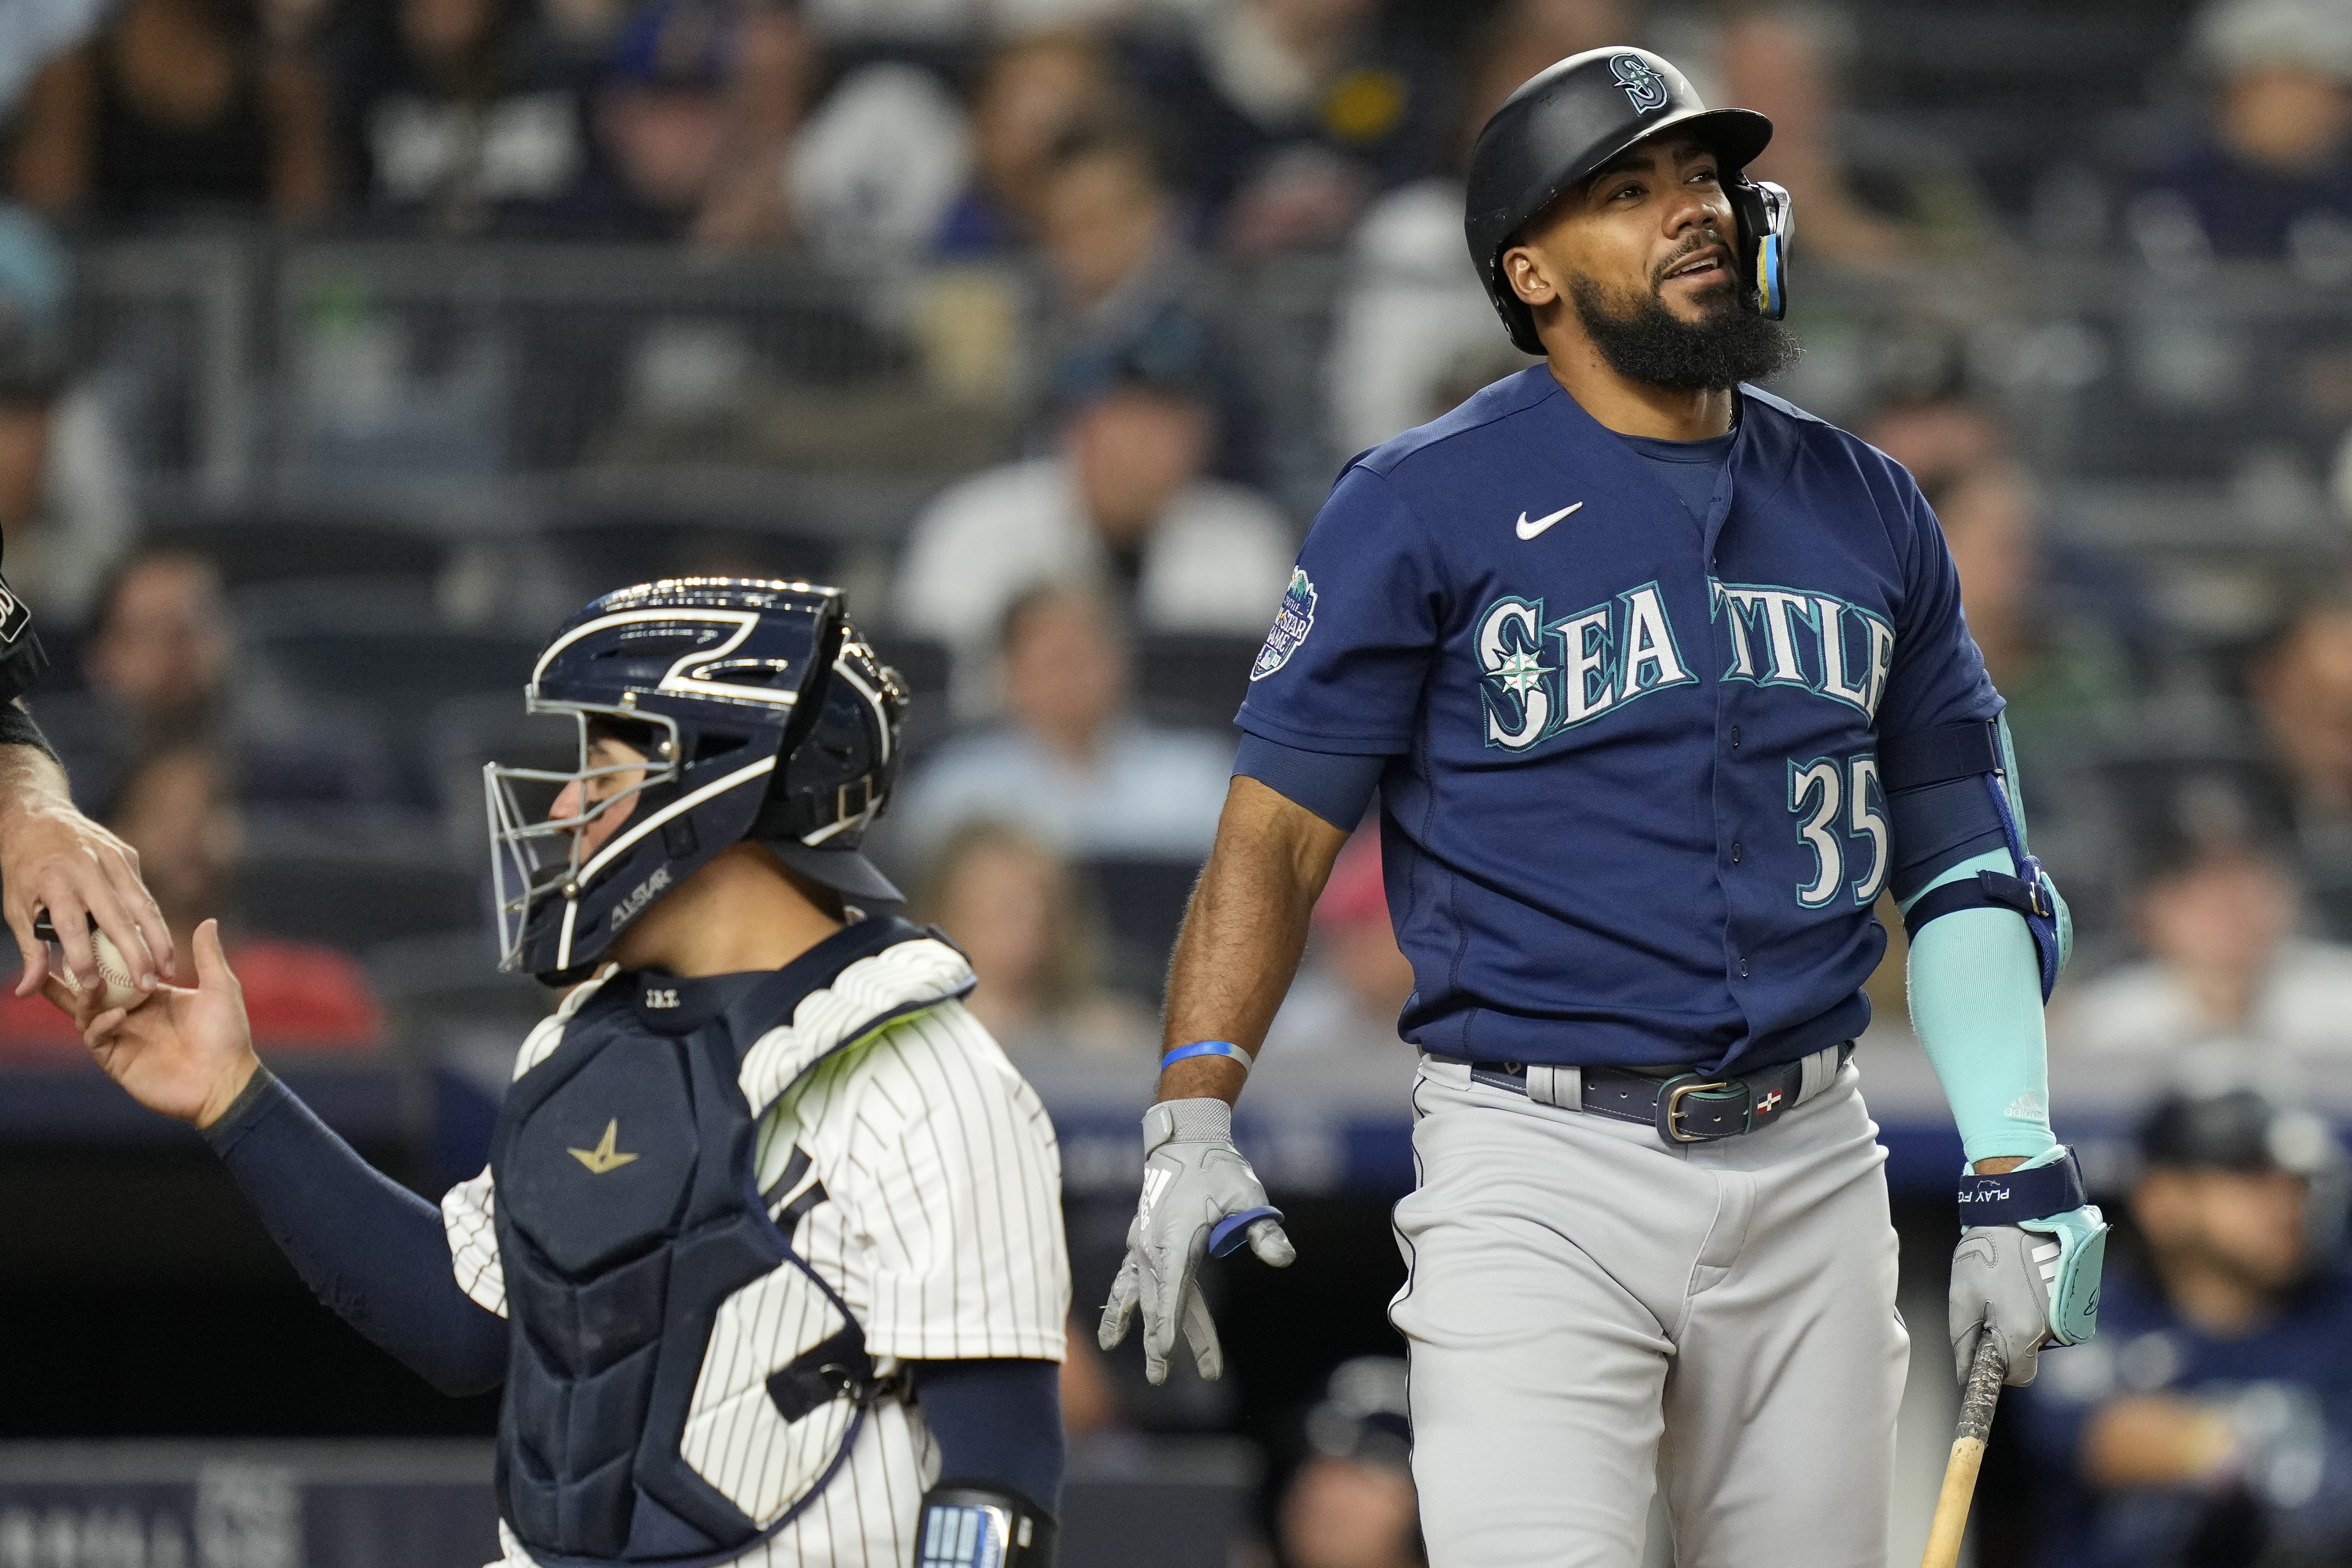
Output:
x=121 y=988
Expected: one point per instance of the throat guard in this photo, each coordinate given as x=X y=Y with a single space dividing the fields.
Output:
x=682 y=1382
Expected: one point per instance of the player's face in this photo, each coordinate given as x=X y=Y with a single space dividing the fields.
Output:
x=2246 y=1225
x=614 y=768
x=1655 y=223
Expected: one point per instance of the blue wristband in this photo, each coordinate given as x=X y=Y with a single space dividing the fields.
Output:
x=2037 y=1193
x=1205 y=1048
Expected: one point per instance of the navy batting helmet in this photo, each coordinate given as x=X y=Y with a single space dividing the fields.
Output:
x=1573 y=117
x=762 y=717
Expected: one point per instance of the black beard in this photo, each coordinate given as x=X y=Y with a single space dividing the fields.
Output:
x=1657 y=348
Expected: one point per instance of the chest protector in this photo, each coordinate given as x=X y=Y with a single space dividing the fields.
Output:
x=682 y=1383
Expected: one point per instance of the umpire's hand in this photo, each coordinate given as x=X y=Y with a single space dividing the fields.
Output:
x=54 y=859
x=1197 y=1189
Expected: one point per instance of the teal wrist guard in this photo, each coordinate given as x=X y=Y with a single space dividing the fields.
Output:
x=2072 y=1278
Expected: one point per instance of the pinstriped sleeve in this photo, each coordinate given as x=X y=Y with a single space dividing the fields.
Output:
x=468 y=1214
x=956 y=1194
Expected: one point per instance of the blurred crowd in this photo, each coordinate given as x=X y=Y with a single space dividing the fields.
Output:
x=282 y=722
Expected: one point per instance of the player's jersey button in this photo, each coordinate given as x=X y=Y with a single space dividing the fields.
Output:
x=1743 y=969
x=1734 y=737
x=1735 y=851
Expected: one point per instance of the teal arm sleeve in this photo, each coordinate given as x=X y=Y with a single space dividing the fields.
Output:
x=1975 y=1002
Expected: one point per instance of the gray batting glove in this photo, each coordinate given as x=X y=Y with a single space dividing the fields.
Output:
x=1199 y=1196
x=2028 y=1286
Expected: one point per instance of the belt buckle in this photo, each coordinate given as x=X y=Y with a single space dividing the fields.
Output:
x=1671 y=1094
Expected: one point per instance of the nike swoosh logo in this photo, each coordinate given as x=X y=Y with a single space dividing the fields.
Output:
x=1529 y=530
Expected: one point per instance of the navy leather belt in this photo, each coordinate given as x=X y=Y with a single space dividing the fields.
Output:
x=1684 y=1106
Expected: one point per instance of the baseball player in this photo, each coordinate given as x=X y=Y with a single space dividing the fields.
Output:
x=1660 y=681
x=768 y=1255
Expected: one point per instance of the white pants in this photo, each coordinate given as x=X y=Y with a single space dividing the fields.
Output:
x=1592 y=1313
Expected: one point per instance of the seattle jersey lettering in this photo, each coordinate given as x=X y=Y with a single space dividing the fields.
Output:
x=1789 y=636
x=1600 y=658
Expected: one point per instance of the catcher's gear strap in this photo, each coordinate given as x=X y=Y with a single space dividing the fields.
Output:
x=970 y=1524
x=1982 y=749
x=17 y=728
x=2031 y=1192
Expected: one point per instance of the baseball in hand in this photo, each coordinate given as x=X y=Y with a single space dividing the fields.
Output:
x=122 y=990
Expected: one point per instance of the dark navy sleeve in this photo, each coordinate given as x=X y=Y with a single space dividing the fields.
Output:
x=997 y=1422
x=1335 y=785
x=1938 y=675
x=1352 y=643
x=366 y=1246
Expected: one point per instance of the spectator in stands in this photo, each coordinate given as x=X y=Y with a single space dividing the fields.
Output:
x=176 y=105
x=160 y=666
x=934 y=28
x=1123 y=505
x=1415 y=325
x=877 y=168
x=2065 y=675
x=696 y=115
x=460 y=116
x=2227 y=976
x=2211 y=1421
x=176 y=808
x=2270 y=172
x=1070 y=765
x=1355 y=980
x=890 y=162
x=1292 y=115
x=1110 y=235
x=2300 y=682
x=66 y=511
x=1032 y=93
x=1032 y=935
x=1870 y=193
x=1352 y=1504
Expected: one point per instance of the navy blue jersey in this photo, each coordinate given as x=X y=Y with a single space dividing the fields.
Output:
x=1631 y=812
x=2289 y=1381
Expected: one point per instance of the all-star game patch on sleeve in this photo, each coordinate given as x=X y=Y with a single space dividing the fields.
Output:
x=22 y=659
x=1343 y=668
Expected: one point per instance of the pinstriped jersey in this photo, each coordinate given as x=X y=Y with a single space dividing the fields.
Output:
x=917 y=1175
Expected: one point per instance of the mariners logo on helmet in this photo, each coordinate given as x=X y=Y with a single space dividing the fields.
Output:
x=1645 y=87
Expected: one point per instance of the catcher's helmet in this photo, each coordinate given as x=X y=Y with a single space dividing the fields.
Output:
x=763 y=717
x=1571 y=118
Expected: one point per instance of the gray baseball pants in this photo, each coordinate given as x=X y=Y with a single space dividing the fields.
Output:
x=1593 y=1315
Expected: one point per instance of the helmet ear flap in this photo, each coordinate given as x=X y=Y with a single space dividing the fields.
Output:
x=1768 y=228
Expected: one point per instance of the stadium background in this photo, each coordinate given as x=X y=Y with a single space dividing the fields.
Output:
x=345 y=345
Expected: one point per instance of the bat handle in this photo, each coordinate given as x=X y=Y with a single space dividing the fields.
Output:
x=1977 y=1403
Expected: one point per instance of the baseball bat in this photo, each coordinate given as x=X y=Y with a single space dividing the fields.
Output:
x=1977 y=1402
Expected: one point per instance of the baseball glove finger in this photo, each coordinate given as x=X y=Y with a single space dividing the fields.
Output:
x=1118 y=1312
x=1267 y=1240
x=1201 y=1334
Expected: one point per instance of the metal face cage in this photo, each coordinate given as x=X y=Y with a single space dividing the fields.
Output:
x=535 y=855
